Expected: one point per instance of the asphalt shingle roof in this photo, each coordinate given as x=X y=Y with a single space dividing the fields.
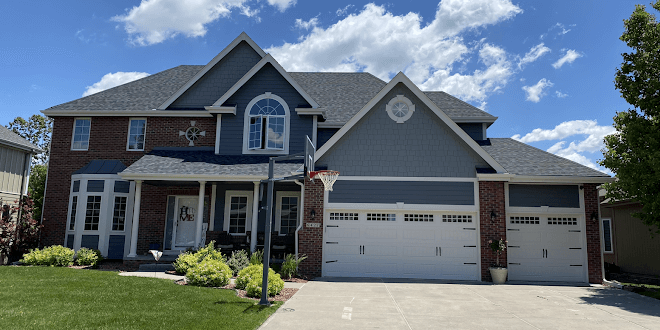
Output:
x=522 y=159
x=10 y=138
x=456 y=108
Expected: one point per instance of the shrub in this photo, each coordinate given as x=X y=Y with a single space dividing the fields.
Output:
x=247 y=274
x=290 y=265
x=189 y=259
x=55 y=255
x=209 y=272
x=18 y=235
x=257 y=257
x=88 y=257
x=210 y=252
x=250 y=278
x=239 y=260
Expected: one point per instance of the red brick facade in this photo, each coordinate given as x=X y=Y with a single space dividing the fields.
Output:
x=310 y=239
x=491 y=199
x=594 y=264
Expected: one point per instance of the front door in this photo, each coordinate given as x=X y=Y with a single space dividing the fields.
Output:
x=184 y=222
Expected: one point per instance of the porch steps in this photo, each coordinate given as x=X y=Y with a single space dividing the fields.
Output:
x=160 y=267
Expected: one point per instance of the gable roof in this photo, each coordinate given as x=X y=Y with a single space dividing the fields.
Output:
x=401 y=78
x=9 y=138
x=522 y=159
x=268 y=59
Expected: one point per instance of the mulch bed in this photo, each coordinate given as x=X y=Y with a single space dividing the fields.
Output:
x=284 y=295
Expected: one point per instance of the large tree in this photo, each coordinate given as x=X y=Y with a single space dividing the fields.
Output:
x=633 y=153
x=37 y=129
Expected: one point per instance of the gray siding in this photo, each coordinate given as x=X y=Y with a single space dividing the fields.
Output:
x=474 y=130
x=12 y=168
x=522 y=195
x=116 y=246
x=323 y=135
x=422 y=146
x=90 y=241
x=409 y=192
x=219 y=79
x=268 y=79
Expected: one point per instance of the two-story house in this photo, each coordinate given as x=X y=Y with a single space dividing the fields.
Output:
x=177 y=158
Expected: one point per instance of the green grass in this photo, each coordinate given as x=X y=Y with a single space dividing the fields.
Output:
x=653 y=294
x=64 y=298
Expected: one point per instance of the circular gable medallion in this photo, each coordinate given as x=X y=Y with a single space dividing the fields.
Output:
x=400 y=109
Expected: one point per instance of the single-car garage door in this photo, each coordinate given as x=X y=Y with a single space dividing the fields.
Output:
x=430 y=245
x=546 y=248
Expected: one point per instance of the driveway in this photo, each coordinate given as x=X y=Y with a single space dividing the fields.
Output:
x=333 y=303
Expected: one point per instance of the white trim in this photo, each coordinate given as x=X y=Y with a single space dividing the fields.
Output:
x=310 y=112
x=401 y=78
x=242 y=37
x=315 y=130
x=248 y=218
x=255 y=217
x=484 y=128
x=128 y=136
x=127 y=113
x=189 y=177
x=214 y=195
x=278 y=208
x=331 y=125
x=267 y=59
x=402 y=206
x=543 y=179
x=400 y=178
x=230 y=110
x=477 y=222
x=246 y=127
x=218 y=127
x=73 y=132
x=400 y=99
x=602 y=221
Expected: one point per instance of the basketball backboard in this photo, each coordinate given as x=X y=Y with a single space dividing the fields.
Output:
x=310 y=149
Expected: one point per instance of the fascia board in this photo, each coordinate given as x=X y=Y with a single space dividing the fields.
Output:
x=310 y=112
x=543 y=179
x=267 y=59
x=330 y=125
x=401 y=78
x=474 y=119
x=124 y=113
x=242 y=37
x=189 y=177
x=221 y=110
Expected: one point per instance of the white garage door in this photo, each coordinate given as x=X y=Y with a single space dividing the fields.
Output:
x=546 y=248
x=428 y=245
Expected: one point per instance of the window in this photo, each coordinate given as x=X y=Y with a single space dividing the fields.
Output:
x=266 y=125
x=400 y=109
x=93 y=213
x=607 y=235
x=287 y=212
x=344 y=216
x=418 y=217
x=81 y=128
x=119 y=214
x=381 y=217
x=238 y=212
x=72 y=217
x=136 y=131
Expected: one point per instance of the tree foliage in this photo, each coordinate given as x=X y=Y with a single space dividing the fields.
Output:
x=19 y=231
x=37 y=129
x=633 y=153
x=37 y=186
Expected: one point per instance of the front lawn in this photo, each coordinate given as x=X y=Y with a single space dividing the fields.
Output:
x=648 y=290
x=65 y=298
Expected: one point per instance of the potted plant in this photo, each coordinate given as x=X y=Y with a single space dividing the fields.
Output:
x=498 y=272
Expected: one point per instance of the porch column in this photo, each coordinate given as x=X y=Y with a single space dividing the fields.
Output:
x=255 y=217
x=199 y=215
x=136 y=219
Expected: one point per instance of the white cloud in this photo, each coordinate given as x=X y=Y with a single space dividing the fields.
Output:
x=533 y=55
x=534 y=93
x=306 y=25
x=570 y=56
x=343 y=11
x=155 y=21
x=113 y=79
x=376 y=41
x=560 y=94
x=282 y=5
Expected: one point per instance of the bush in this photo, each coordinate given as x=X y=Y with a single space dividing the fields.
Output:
x=239 y=260
x=290 y=265
x=189 y=259
x=250 y=279
x=257 y=257
x=209 y=252
x=55 y=255
x=89 y=257
x=209 y=272
x=247 y=274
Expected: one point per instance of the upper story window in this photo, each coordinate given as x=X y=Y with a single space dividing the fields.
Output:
x=80 y=139
x=136 y=130
x=266 y=125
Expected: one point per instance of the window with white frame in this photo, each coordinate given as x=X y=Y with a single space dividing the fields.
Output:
x=266 y=125
x=80 y=140
x=287 y=212
x=93 y=213
x=136 y=132
x=607 y=235
x=72 y=216
x=238 y=212
x=119 y=213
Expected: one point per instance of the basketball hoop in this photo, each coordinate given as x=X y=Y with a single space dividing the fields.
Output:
x=327 y=177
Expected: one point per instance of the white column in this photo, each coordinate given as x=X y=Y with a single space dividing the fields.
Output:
x=255 y=217
x=136 y=219
x=199 y=215
x=214 y=195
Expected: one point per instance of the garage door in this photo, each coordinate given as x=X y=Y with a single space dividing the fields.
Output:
x=546 y=248
x=428 y=245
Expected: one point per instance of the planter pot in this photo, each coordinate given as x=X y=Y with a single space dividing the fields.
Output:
x=498 y=274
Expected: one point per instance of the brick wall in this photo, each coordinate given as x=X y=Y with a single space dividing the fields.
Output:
x=108 y=137
x=310 y=240
x=593 y=233
x=491 y=198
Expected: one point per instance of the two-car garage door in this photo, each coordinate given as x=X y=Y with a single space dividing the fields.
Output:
x=402 y=244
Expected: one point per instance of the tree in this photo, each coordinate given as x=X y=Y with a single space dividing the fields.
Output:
x=633 y=153
x=36 y=187
x=37 y=129
x=18 y=236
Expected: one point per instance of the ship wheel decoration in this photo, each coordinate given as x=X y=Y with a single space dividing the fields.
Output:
x=192 y=133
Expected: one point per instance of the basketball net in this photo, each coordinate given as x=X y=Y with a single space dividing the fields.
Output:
x=327 y=177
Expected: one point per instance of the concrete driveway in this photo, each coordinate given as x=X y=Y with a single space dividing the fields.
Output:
x=332 y=303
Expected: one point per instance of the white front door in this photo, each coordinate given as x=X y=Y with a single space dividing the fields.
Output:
x=184 y=222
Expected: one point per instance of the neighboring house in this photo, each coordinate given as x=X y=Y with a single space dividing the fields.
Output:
x=177 y=158
x=15 y=161
x=627 y=241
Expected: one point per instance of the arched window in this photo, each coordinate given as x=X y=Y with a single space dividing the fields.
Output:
x=267 y=119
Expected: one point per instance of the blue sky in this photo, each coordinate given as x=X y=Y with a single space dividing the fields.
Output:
x=545 y=68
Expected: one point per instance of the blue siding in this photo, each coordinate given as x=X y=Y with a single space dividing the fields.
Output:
x=409 y=192
x=538 y=195
x=69 y=241
x=95 y=185
x=169 y=222
x=122 y=187
x=217 y=81
x=474 y=130
x=268 y=79
x=116 y=246
x=323 y=135
x=90 y=241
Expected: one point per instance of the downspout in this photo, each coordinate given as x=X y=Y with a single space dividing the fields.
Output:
x=602 y=242
x=302 y=212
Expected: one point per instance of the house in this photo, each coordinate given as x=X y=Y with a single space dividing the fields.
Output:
x=628 y=243
x=15 y=162
x=177 y=158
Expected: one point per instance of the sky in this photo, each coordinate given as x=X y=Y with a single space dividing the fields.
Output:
x=544 y=68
